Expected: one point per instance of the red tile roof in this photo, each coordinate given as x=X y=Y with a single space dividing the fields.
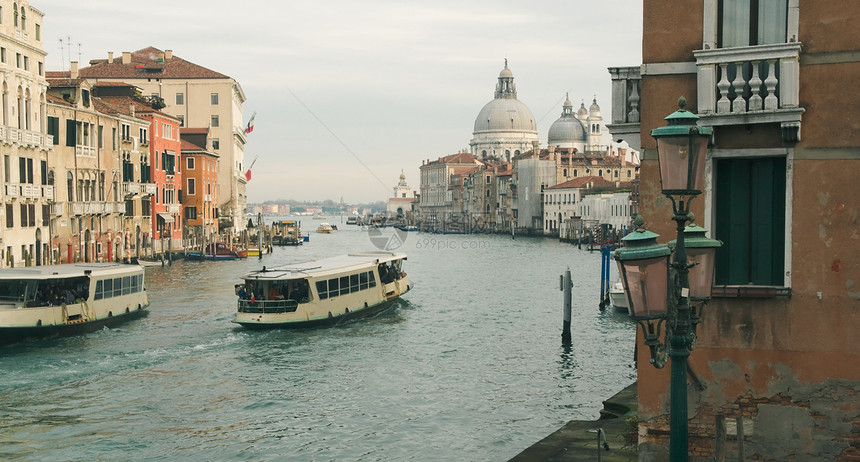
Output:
x=584 y=182
x=144 y=64
x=186 y=145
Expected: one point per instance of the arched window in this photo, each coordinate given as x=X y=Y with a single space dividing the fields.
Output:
x=616 y=174
x=70 y=186
x=15 y=13
x=600 y=172
x=517 y=152
x=575 y=173
x=564 y=173
x=488 y=193
x=507 y=152
x=23 y=18
x=628 y=173
x=484 y=153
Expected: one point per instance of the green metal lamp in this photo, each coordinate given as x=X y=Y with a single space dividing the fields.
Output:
x=681 y=149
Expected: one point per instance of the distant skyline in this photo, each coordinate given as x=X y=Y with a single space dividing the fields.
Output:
x=348 y=94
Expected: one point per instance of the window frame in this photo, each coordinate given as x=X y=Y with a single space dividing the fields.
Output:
x=716 y=155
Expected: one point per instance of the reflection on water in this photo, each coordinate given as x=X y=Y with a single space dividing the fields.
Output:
x=468 y=366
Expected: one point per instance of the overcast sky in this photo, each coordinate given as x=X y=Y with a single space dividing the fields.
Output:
x=348 y=93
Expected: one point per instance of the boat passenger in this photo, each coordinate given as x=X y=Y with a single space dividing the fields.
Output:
x=274 y=293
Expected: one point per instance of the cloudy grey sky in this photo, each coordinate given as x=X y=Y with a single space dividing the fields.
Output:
x=348 y=93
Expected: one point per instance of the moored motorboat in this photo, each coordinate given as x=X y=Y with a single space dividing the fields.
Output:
x=321 y=292
x=618 y=297
x=216 y=251
x=287 y=232
x=40 y=301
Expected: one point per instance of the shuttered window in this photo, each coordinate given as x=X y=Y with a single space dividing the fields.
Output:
x=750 y=220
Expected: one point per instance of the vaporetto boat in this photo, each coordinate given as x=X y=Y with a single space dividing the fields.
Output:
x=39 y=301
x=321 y=292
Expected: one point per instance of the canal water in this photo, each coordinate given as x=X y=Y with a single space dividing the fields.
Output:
x=467 y=366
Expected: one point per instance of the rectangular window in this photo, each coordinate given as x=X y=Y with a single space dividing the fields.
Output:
x=10 y=216
x=44 y=171
x=108 y=290
x=117 y=287
x=333 y=288
x=112 y=136
x=344 y=285
x=181 y=119
x=3 y=54
x=100 y=290
x=180 y=99
x=189 y=164
x=41 y=69
x=353 y=283
x=46 y=215
x=372 y=279
x=144 y=136
x=214 y=121
x=214 y=99
x=322 y=290
x=38 y=32
x=18 y=60
x=26 y=63
x=192 y=186
x=190 y=213
x=101 y=136
x=216 y=144
x=750 y=220
x=744 y=23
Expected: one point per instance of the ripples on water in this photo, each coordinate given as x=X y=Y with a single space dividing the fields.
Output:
x=467 y=366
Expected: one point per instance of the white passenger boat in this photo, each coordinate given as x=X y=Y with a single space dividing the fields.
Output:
x=39 y=301
x=325 y=228
x=321 y=292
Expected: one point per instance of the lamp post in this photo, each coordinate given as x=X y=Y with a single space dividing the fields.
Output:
x=660 y=293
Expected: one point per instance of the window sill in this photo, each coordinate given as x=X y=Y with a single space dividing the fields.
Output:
x=751 y=291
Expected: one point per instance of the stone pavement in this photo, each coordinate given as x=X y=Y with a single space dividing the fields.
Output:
x=577 y=440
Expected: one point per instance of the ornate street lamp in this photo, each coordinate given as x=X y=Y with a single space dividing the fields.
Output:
x=681 y=150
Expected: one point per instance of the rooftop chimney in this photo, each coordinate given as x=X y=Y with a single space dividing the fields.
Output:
x=168 y=54
x=126 y=57
x=73 y=70
x=110 y=57
x=131 y=108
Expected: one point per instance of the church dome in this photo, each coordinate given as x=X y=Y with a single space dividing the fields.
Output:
x=567 y=129
x=505 y=111
x=583 y=112
x=505 y=114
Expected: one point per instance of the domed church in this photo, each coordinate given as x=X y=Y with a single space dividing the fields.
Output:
x=578 y=130
x=505 y=126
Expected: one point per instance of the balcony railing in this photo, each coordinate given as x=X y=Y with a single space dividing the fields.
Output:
x=85 y=151
x=148 y=189
x=744 y=85
x=626 y=91
x=90 y=208
x=48 y=192
x=268 y=306
x=57 y=209
x=173 y=208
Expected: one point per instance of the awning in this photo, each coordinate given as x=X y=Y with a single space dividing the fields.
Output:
x=168 y=218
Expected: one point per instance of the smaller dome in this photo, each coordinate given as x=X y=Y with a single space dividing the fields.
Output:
x=506 y=72
x=594 y=107
x=583 y=112
x=402 y=176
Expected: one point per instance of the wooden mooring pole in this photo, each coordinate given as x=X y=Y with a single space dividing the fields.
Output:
x=565 y=286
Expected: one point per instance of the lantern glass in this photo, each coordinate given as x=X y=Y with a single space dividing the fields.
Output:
x=682 y=162
x=702 y=274
x=646 y=282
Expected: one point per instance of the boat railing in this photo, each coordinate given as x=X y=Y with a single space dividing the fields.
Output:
x=268 y=306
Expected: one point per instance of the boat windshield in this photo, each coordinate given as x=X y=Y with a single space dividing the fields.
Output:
x=18 y=290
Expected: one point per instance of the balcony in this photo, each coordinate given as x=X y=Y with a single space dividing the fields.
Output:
x=130 y=189
x=173 y=208
x=22 y=35
x=626 y=88
x=12 y=190
x=751 y=85
x=148 y=189
x=31 y=191
x=48 y=192
x=57 y=208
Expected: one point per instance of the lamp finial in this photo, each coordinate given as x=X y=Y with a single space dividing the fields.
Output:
x=682 y=102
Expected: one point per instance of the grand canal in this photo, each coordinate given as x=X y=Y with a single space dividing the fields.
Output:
x=467 y=366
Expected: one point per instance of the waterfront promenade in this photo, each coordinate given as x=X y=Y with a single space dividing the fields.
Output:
x=577 y=440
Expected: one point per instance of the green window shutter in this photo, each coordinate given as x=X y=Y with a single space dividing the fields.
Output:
x=70 y=132
x=732 y=221
x=768 y=219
